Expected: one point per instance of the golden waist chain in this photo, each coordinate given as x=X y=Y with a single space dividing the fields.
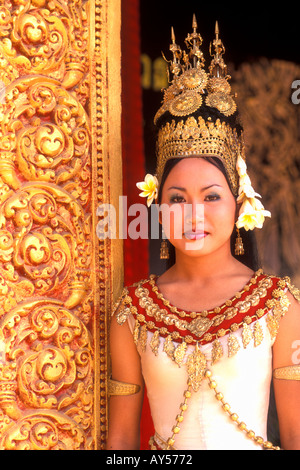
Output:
x=169 y=444
x=282 y=373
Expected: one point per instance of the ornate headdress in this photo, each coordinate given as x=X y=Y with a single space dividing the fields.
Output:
x=186 y=131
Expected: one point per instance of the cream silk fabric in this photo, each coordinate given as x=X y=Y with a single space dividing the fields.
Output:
x=243 y=379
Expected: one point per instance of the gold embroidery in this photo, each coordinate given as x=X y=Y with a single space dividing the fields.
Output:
x=169 y=347
x=122 y=388
x=120 y=310
x=196 y=367
x=136 y=332
x=179 y=353
x=246 y=335
x=143 y=338
x=265 y=283
x=154 y=343
x=258 y=334
x=293 y=290
x=201 y=324
x=233 y=345
x=287 y=373
x=217 y=352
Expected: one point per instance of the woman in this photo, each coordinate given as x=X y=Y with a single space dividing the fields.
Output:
x=206 y=335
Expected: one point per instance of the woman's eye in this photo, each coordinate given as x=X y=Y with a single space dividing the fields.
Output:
x=212 y=197
x=177 y=199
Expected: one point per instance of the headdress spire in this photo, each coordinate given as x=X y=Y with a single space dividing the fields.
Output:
x=217 y=67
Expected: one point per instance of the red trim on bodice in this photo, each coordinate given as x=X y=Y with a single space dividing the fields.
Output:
x=248 y=311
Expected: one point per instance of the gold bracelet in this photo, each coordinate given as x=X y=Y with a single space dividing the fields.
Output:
x=122 y=388
x=287 y=373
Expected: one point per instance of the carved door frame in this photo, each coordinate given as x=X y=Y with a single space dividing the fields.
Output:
x=61 y=157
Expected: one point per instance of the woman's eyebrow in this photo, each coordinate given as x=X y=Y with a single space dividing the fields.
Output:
x=203 y=189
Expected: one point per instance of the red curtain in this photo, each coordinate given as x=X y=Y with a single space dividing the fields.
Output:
x=136 y=258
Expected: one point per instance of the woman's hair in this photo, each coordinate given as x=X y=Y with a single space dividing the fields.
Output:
x=250 y=257
x=207 y=113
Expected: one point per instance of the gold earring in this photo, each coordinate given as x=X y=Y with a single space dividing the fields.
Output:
x=239 y=247
x=164 y=249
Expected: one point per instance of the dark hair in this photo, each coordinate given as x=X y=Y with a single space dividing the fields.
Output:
x=207 y=113
x=250 y=257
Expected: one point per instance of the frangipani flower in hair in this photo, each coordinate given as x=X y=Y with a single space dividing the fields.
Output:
x=252 y=213
x=149 y=187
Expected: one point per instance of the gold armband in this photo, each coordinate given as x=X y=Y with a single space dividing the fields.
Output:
x=287 y=373
x=122 y=388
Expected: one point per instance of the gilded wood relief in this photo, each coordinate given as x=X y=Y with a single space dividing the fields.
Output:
x=48 y=250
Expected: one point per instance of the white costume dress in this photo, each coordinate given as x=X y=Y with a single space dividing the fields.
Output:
x=234 y=342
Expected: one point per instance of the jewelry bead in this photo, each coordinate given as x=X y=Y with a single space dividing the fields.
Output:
x=213 y=384
x=176 y=429
x=226 y=407
x=187 y=394
x=183 y=407
x=179 y=418
x=242 y=426
x=268 y=445
x=234 y=417
x=251 y=434
x=208 y=374
x=220 y=396
x=171 y=442
x=259 y=440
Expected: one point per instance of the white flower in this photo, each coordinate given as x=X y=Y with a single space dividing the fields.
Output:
x=149 y=187
x=246 y=189
x=252 y=214
x=241 y=166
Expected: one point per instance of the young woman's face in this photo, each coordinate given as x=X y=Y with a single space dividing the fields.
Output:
x=198 y=208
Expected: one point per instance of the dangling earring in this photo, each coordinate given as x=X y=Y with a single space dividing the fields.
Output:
x=239 y=247
x=164 y=249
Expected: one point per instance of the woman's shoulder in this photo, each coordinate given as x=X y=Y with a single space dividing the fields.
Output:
x=127 y=299
x=285 y=283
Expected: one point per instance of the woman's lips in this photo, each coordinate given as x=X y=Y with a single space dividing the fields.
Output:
x=195 y=235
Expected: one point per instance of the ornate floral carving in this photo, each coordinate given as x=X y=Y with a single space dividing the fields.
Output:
x=47 y=293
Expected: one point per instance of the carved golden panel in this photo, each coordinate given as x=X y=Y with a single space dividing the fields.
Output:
x=56 y=277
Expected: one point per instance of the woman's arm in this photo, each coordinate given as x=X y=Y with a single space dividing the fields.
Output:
x=287 y=392
x=124 y=411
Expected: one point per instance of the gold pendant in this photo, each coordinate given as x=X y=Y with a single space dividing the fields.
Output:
x=154 y=343
x=136 y=333
x=143 y=338
x=199 y=326
x=169 y=347
x=233 y=345
x=273 y=325
x=246 y=335
x=258 y=334
x=179 y=353
x=196 y=367
x=217 y=352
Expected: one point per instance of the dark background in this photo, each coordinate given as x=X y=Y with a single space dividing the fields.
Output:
x=249 y=29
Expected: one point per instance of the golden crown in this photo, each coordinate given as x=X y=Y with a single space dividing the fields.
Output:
x=195 y=136
x=190 y=87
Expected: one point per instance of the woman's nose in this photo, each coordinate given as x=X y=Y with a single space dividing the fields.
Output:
x=194 y=215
